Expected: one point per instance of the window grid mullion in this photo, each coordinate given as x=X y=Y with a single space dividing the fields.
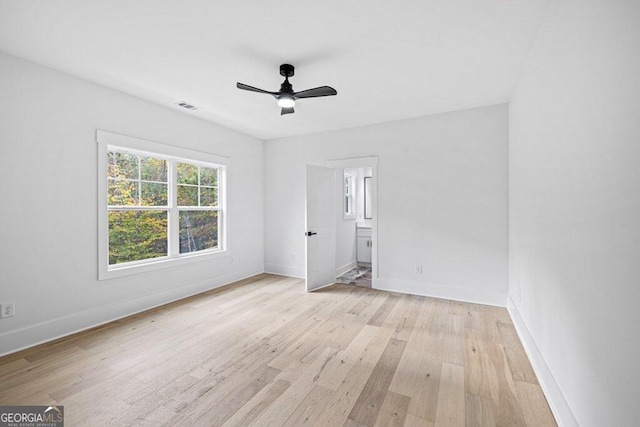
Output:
x=136 y=208
x=174 y=214
x=139 y=181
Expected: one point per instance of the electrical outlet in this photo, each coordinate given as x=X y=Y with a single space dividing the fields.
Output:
x=418 y=268
x=8 y=310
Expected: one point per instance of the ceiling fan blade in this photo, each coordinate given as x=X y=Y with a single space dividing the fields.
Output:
x=315 y=92
x=286 y=111
x=253 y=89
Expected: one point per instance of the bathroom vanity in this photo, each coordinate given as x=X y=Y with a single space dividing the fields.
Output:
x=364 y=244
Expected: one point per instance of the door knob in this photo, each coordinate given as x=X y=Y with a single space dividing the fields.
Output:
x=310 y=233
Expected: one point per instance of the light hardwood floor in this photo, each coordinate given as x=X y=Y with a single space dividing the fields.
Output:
x=263 y=352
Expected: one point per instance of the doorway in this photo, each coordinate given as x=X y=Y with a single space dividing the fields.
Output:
x=354 y=243
x=349 y=216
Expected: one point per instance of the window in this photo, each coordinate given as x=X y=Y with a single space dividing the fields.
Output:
x=198 y=210
x=159 y=205
x=138 y=205
x=349 y=190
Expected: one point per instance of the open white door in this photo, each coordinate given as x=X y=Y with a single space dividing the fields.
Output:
x=321 y=227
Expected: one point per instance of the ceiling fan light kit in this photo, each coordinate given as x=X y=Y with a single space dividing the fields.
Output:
x=286 y=102
x=286 y=97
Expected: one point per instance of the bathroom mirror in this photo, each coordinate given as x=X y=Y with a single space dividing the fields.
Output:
x=367 y=197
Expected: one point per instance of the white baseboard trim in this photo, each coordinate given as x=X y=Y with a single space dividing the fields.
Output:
x=285 y=270
x=476 y=296
x=50 y=330
x=340 y=271
x=551 y=389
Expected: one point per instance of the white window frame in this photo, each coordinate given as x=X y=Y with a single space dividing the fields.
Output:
x=349 y=192
x=107 y=141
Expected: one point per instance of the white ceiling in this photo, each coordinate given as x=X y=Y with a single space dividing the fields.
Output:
x=388 y=60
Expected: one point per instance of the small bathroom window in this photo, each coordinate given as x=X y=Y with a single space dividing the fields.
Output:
x=349 y=193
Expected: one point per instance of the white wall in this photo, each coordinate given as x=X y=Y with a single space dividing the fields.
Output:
x=442 y=201
x=48 y=208
x=574 y=159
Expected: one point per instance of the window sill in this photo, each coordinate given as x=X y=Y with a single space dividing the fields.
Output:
x=127 y=270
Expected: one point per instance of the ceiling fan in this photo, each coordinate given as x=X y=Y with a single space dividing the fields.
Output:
x=286 y=96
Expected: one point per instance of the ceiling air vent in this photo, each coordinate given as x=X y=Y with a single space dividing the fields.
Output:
x=186 y=105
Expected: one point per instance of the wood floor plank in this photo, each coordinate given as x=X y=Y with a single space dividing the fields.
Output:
x=507 y=409
x=310 y=410
x=337 y=409
x=164 y=404
x=473 y=318
x=518 y=362
x=219 y=404
x=476 y=373
x=327 y=328
x=361 y=312
x=440 y=323
x=413 y=304
x=379 y=317
x=454 y=345
x=451 y=396
x=413 y=421
x=458 y=308
x=365 y=411
x=418 y=373
x=256 y=406
x=534 y=405
x=489 y=320
x=339 y=367
x=393 y=412
x=288 y=402
x=478 y=411
x=263 y=351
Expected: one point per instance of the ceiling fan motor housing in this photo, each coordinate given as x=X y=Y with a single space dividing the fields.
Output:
x=287 y=70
